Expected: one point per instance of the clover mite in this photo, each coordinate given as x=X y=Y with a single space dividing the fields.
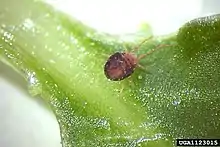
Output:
x=121 y=65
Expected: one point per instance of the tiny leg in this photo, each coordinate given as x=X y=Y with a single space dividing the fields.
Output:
x=121 y=89
x=153 y=50
x=137 y=47
x=140 y=66
x=145 y=70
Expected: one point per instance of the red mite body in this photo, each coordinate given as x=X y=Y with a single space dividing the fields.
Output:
x=120 y=66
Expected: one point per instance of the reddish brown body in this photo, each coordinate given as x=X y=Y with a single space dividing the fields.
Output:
x=120 y=66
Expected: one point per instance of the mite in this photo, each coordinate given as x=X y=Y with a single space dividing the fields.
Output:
x=121 y=65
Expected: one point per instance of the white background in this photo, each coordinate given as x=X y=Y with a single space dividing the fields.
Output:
x=23 y=120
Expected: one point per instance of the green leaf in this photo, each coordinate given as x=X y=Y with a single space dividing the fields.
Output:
x=62 y=60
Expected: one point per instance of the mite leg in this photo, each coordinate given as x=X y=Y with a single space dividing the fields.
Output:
x=137 y=47
x=122 y=87
x=121 y=90
x=141 y=66
x=130 y=82
x=120 y=94
x=153 y=50
x=144 y=69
